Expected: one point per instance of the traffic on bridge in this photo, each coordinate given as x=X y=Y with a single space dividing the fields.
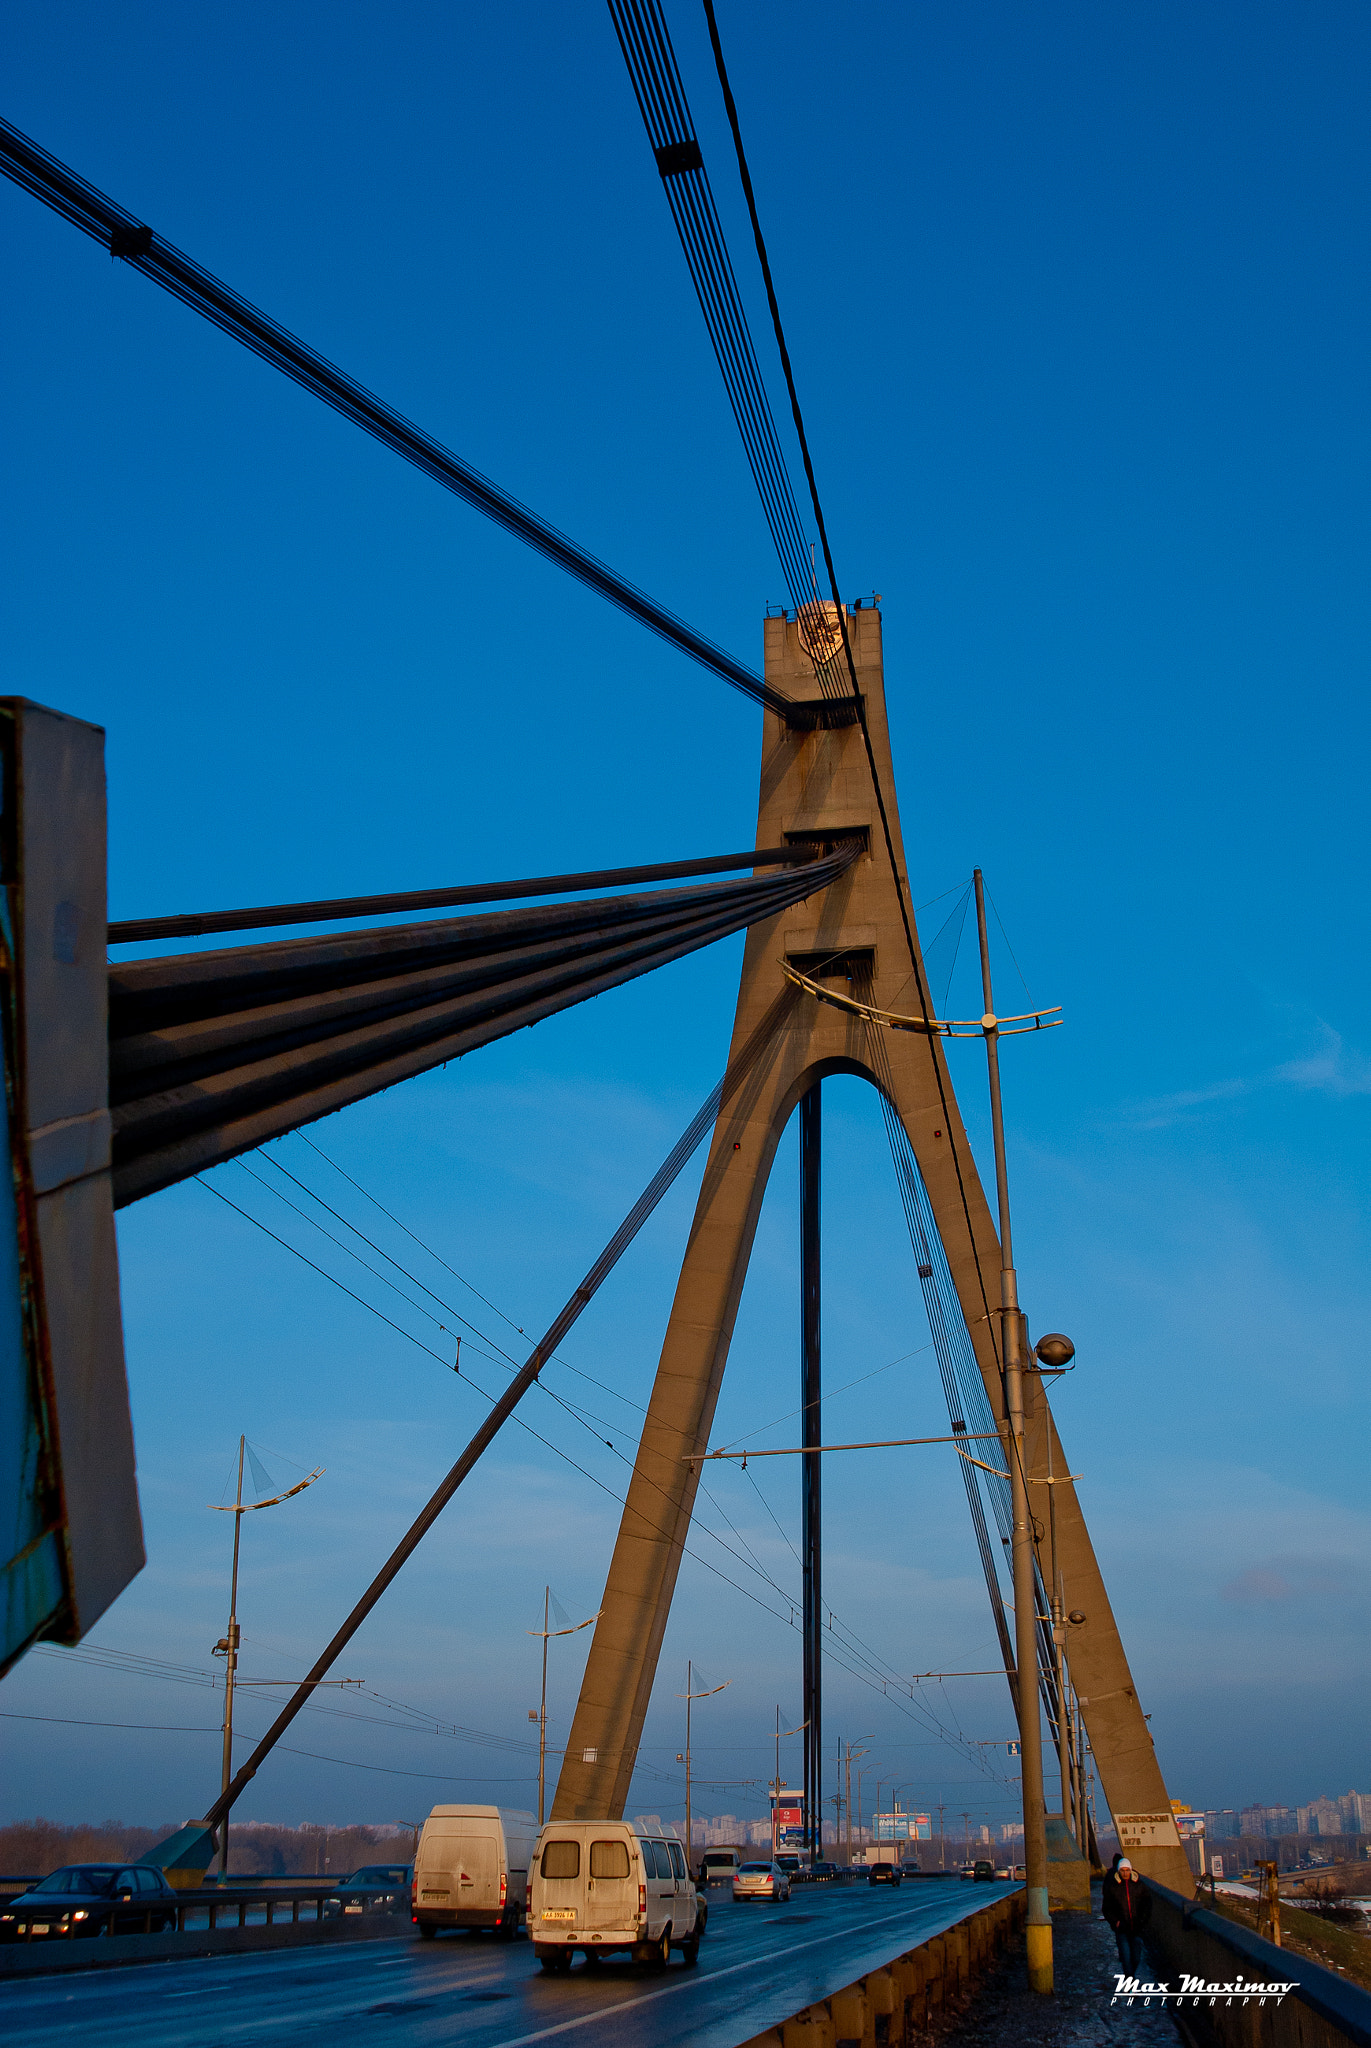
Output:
x=758 y=1967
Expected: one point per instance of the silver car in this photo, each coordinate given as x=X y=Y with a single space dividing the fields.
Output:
x=761 y=1881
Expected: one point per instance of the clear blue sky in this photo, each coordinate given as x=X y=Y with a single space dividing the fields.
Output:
x=1078 y=303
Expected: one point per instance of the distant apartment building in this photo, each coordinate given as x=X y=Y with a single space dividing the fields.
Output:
x=1349 y=1815
x=1268 y=1821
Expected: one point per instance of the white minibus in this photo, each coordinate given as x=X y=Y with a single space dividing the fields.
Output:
x=601 y=1885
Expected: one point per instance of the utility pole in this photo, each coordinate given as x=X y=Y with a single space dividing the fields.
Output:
x=942 y=1839
x=811 y=1476
x=231 y=1661
x=1039 y=1924
x=542 y=1713
x=1057 y=1610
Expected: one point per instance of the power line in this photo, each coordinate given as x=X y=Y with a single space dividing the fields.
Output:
x=872 y=1677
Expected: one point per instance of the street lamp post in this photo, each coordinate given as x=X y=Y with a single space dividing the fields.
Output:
x=688 y=1696
x=777 y=1782
x=227 y=1647
x=545 y=1632
x=1039 y=1923
x=847 y=1792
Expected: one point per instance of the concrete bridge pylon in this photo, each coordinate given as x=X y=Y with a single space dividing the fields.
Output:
x=816 y=790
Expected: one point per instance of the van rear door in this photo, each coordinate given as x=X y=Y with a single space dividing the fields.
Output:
x=460 y=1867
x=611 y=1886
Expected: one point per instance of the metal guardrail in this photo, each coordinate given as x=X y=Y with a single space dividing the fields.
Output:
x=211 y=1909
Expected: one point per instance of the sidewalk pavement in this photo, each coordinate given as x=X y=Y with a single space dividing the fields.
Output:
x=1005 y=2014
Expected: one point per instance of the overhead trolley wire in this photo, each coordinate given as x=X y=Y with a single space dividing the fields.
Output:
x=125 y=236
x=850 y=1644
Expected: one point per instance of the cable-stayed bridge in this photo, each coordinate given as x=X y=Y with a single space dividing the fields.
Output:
x=130 y=1075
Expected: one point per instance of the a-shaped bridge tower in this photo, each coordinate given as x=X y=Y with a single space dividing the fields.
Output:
x=816 y=790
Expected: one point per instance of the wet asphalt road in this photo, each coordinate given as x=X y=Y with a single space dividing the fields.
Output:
x=758 y=1965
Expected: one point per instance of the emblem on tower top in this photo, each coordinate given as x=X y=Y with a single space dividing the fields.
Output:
x=821 y=631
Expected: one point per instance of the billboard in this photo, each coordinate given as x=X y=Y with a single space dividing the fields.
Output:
x=788 y=1819
x=903 y=1827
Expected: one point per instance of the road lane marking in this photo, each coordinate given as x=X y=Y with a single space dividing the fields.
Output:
x=606 y=2012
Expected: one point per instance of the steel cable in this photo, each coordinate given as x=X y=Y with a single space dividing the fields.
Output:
x=108 y=223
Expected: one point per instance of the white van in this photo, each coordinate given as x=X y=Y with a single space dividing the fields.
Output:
x=719 y=1866
x=471 y=1868
x=602 y=1885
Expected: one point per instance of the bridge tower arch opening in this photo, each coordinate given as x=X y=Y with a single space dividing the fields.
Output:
x=816 y=791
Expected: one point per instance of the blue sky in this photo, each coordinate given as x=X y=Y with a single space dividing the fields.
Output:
x=1078 y=305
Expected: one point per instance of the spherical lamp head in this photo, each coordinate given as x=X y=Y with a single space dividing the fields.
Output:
x=1054 y=1350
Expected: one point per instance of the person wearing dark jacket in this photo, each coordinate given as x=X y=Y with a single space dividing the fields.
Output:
x=1127 y=1906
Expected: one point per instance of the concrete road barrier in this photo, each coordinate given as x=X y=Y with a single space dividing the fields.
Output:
x=891 y=2007
x=1224 y=1965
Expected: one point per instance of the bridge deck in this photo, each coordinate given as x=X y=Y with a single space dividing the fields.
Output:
x=759 y=1964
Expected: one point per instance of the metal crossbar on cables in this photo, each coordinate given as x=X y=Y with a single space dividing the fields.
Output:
x=108 y=223
x=646 y=44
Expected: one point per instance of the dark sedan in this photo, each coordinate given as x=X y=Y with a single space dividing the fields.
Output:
x=91 y=1898
x=376 y=1888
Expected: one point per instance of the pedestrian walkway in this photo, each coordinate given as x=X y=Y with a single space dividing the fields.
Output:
x=1005 y=2014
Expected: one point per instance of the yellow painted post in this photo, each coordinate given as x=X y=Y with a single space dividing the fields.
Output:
x=882 y=2003
x=809 y=2029
x=849 y=2014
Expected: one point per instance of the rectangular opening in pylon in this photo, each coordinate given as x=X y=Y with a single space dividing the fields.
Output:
x=855 y=964
x=824 y=839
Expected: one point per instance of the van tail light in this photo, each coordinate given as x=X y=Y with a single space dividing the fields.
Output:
x=642 y=1901
x=504 y=1887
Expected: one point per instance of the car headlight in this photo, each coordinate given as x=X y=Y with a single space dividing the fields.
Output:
x=81 y=1914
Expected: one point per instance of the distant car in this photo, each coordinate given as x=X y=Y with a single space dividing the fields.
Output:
x=717 y=1865
x=790 y=1863
x=823 y=1873
x=967 y=1870
x=761 y=1881
x=908 y=1869
x=91 y=1898
x=883 y=1873
x=376 y=1888
x=983 y=1872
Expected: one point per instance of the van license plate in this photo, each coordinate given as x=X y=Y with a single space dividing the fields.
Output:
x=559 y=1912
